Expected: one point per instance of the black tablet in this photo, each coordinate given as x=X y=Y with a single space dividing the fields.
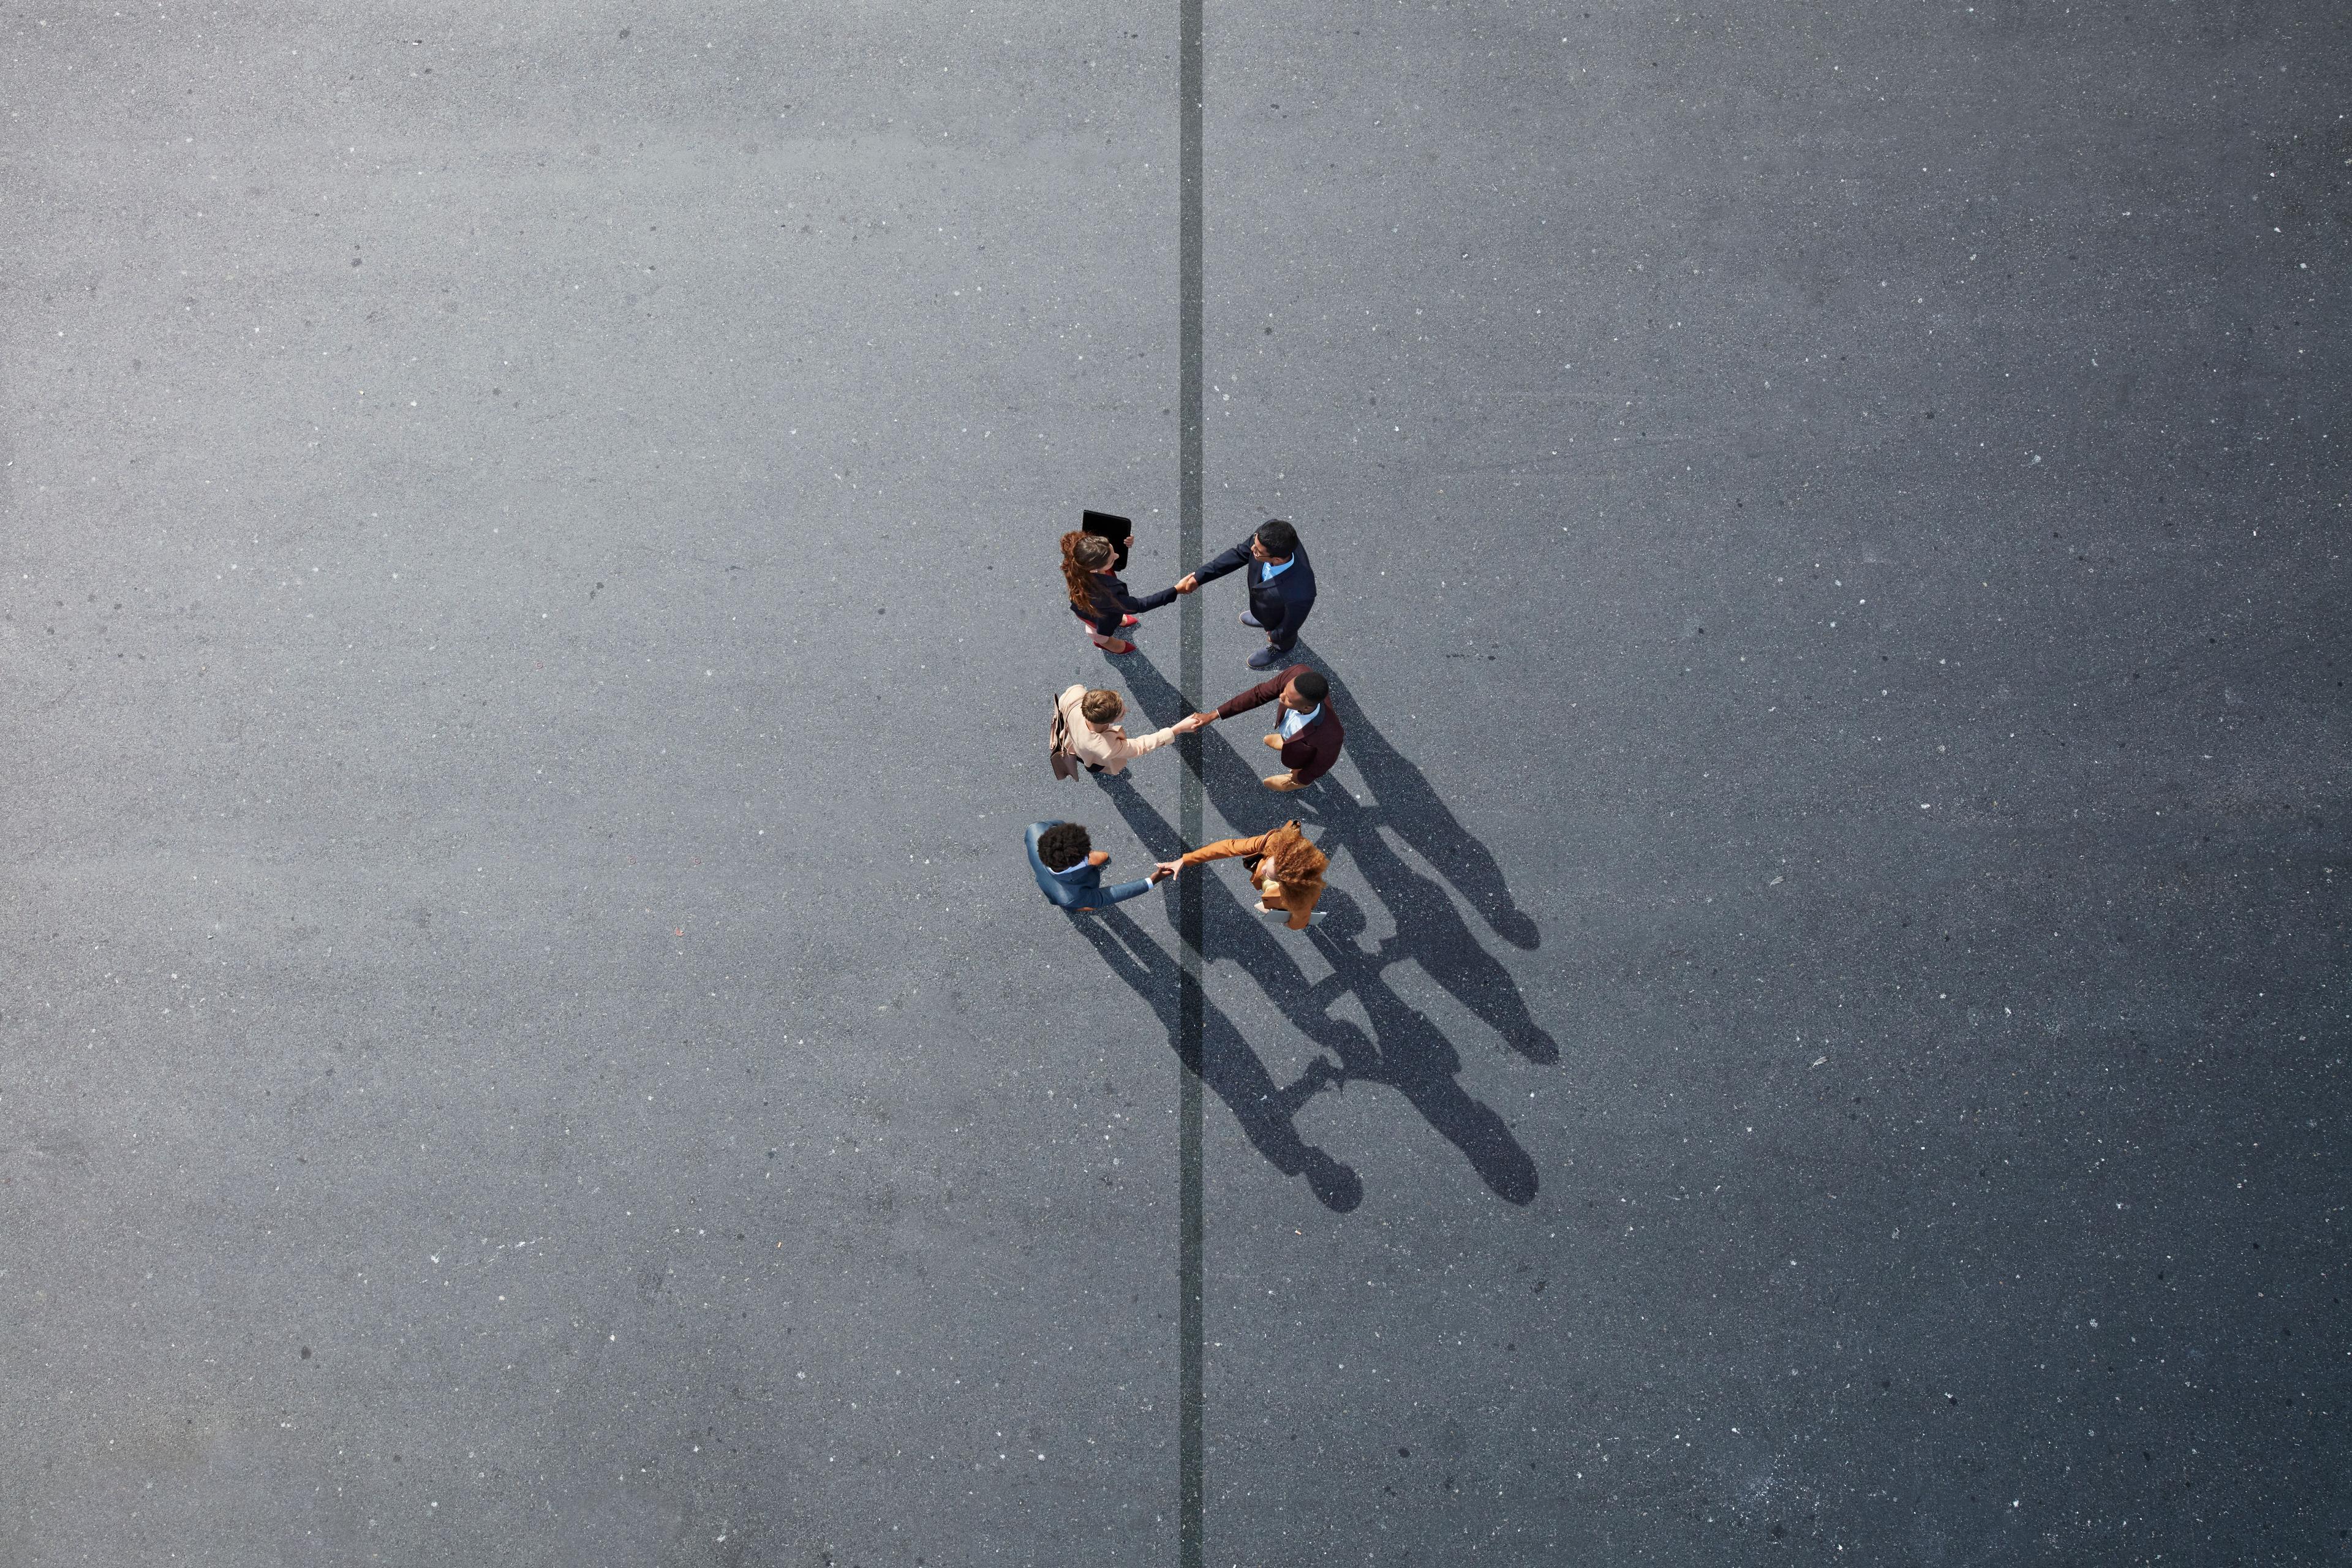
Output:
x=1113 y=527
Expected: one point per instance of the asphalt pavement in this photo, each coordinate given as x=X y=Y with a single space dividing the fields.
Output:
x=527 y=614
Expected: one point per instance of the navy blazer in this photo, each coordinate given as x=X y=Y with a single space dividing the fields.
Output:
x=1080 y=887
x=1279 y=603
x=1113 y=603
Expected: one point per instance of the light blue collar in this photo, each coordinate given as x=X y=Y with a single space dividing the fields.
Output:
x=1275 y=568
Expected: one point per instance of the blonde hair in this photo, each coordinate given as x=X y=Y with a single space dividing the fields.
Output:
x=1102 y=705
x=1082 y=555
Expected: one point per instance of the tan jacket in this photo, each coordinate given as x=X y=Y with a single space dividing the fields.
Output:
x=1299 y=891
x=1108 y=750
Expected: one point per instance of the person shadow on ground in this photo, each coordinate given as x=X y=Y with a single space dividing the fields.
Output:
x=1406 y=1050
x=1407 y=805
x=1226 y=1064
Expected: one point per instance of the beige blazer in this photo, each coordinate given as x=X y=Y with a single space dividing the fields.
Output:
x=1109 y=749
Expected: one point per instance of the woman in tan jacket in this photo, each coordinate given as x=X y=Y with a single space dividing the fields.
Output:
x=1285 y=869
x=1091 y=733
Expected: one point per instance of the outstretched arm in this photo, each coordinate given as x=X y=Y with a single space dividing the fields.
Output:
x=1233 y=560
x=1127 y=751
x=1257 y=695
x=1224 y=849
x=1137 y=605
x=1103 y=898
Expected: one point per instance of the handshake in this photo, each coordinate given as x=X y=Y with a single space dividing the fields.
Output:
x=1198 y=720
x=1191 y=581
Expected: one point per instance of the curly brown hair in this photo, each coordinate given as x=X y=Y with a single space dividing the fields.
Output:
x=1291 y=859
x=1082 y=555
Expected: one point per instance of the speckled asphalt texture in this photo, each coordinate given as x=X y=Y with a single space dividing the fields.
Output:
x=527 y=617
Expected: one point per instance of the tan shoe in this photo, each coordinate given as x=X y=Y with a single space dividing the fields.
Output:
x=1284 y=782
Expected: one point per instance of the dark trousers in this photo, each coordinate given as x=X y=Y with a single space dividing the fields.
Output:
x=1269 y=610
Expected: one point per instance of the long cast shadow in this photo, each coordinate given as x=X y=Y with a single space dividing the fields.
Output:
x=1414 y=811
x=1408 y=805
x=1226 y=1064
x=1430 y=930
x=1406 y=1051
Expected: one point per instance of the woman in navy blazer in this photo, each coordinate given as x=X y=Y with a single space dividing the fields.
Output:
x=1097 y=595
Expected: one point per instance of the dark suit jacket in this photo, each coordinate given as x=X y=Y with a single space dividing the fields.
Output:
x=1310 y=752
x=1279 y=603
x=1113 y=603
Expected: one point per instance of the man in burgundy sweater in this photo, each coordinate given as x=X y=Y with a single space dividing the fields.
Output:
x=1308 y=736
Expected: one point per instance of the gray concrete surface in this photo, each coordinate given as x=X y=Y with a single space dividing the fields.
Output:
x=525 y=612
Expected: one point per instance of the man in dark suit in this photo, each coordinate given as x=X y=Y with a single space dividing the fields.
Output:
x=1308 y=735
x=1281 y=586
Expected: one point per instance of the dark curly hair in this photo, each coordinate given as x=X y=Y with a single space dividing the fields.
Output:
x=1063 y=846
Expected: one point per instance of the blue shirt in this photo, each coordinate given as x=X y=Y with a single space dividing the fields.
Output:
x=1280 y=593
x=1293 y=721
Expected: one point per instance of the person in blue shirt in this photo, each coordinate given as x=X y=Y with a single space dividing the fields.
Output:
x=1281 y=586
x=1068 y=868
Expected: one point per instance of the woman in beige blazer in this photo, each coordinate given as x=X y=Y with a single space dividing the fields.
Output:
x=1095 y=737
